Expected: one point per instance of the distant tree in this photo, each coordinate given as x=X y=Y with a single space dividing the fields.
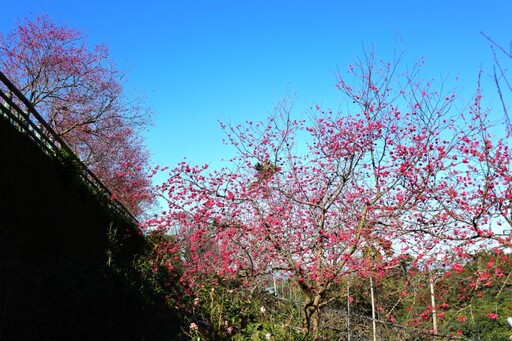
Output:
x=402 y=177
x=80 y=93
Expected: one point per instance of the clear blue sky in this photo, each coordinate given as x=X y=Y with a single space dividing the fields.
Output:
x=201 y=61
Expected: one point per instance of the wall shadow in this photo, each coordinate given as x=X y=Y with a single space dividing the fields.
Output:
x=61 y=277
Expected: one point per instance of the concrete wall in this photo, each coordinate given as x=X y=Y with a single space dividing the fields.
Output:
x=55 y=281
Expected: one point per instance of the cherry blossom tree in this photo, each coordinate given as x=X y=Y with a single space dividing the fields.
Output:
x=80 y=93
x=316 y=200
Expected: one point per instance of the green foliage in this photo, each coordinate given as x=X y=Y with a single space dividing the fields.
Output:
x=484 y=285
x=226 y=311
x=477 y=324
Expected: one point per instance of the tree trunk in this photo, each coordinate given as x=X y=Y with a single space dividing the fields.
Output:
x=311 y=320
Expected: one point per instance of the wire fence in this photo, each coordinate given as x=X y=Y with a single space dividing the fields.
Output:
x=23 y=116
x=345 y=324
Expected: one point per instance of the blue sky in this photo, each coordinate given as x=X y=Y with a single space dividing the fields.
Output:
x=202 y=61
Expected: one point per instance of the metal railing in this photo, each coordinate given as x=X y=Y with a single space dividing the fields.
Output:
x=18 y=110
